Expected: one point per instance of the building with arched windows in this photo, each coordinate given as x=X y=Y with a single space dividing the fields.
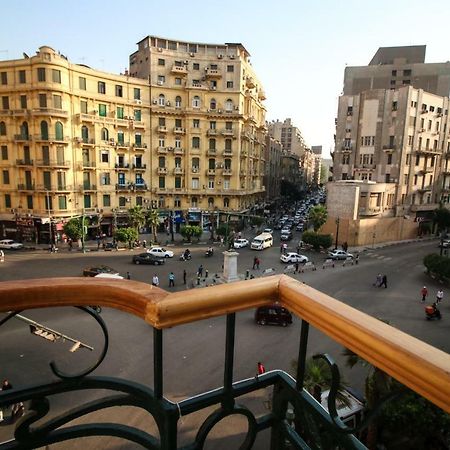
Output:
x=186 y=135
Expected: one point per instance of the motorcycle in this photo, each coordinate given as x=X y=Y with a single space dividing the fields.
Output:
x=185 y=256
x=209 y=252
x=432 y=312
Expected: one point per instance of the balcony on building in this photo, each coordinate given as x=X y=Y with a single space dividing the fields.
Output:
x=139 y=146
x=137 y=124
x=261 y=95
x=87 y=117
x=227 y=171
x=121 y=165
x=250 y=82
x=425 y=188
x=212 y=132
x=161 y=170
x=178 y=151
x=178 y=171
x=86 y=142
x=87 y=165
x=347 y=148
x=424 y=207
x=370 y=211
x=87 y=187
x=213 y=73
x=140 y=186
x=139 y=166
x=23 y=137
x=195 y=85
x=227 y=152
x=126 y=186
x=53 y=163
x=427 y=169
x=179 y=130
x=427 y=151
x=179 y=69
x=162 y=150
x=26 y=186
x=389 y=147
x=228 y=133
x=161 y=129
x=53 y=112
x=24 y=162
x=211 y=152
x=210 y=171
x=122 y=144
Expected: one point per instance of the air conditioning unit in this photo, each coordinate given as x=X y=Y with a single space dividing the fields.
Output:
x=160 y=49
x=192 y=54
x=170 y=149
x=186 y=62
x=160 y=83
x=155 y=102
x=138 y=102
x=236 y=108
x=219 y=111
x=213 y=88
x=232 y=56
x=167 y=103
x=220 y=56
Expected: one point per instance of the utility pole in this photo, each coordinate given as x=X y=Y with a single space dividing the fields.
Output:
x=47 y=193
x=337 y=233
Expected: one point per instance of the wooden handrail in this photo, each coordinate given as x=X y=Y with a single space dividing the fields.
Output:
x=414 y=363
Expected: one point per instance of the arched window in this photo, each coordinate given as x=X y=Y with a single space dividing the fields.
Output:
x=177 y=101
x=161 y=100
x=212 y=104
x=59 y=131
x=105 y=134
x=226 y=202
x=85 y=134
x=210 y=202
x=194 y=202
x=2 y=129
x=196 y=102
x=212 y=144
x=44 y=130
x=229 y=105
x=211 y=163
x=24 y=130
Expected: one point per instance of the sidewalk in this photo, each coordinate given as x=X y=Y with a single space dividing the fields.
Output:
x=365 y=248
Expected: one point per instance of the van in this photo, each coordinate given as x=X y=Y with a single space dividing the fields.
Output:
x=273 y=314
x=262 y=241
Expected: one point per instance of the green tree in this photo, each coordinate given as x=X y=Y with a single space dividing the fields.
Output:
x=136 y=216
x=318 y=216
x=317 y=240
x=152 y=220
x=190 y=231
x=441 y=218
x=74 y=229
x=257 y=221
x=128 y=235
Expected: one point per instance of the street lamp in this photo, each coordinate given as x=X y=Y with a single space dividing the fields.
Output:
x=337 y=233
x=47 y=194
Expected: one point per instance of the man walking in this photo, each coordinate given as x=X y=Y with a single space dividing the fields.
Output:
x=384 y=281
x=424 y=293
x=257 y=263
x=171 y=279
x=439 y=296
x=184 y=276
x=200 y=270
x=155 y=280
x=254 y=262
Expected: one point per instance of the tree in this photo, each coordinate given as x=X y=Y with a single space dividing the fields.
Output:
x=152 y=219
x=128 y=234
x=190 y=231
x=441 y=218
x=318 y=216
x=317 y=240
x=136 y=215
x=74 y=229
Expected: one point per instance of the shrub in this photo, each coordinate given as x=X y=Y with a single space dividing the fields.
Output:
x=317 y=240
x=437 y=265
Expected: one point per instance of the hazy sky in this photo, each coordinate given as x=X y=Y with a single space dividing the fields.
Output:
x=299 y=48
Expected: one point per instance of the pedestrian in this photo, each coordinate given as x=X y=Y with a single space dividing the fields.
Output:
x=281 y=247
x=257 y=263
x=378 y=280
x=184 y=276
x=284 y=247
x=296 y=266
x=155 y=280
x=70 y=244
x=357 y=259
x=254 y=262
x=144 y=243
x=439 y=296
x=6 y=385
x=171 y=279
x=128 y=276
x=424 y=293
x=345 y=246
x=200 y=270
x=384 y=281
x=2 y=256
x=261 y=369
x=206 y=273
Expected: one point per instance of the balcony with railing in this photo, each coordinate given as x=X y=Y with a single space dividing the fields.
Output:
x=26 y=186
x=87 y=187
x=87 y=165
x=417 y=365
x=23 y=137
x=161 y=170
x=24 y=162
x=180 y=70
x=53 y=112
x=178 y=151
x=139 y=166
x=139 y=146
x=178 y=171
x=122 y=166
x=213 y=73
x=179 y=130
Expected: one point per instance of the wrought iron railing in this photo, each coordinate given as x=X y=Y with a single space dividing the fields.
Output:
x=417 y=365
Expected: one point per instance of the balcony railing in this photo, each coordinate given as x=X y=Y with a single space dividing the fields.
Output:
x=24 y=162
x=419 y=366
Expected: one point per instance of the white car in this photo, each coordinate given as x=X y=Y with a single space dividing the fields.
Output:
x=240 y=243
x=339 y=254
x=268 y=230
x=161 y=252
x=292 y=257
x=9 y=244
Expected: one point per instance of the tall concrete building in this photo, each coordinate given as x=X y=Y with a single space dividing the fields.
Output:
x=274 y=169
x=187 y=137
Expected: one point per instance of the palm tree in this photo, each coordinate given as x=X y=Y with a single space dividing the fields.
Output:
x=318 y=216
x=136 y=215
x=152 y=219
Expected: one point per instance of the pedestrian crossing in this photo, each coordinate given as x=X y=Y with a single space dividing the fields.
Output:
x=22 y=256
x=377 y=256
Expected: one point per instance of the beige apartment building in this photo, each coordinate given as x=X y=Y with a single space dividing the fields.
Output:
x=207 y=125
x=274 y=169
x=79 y=141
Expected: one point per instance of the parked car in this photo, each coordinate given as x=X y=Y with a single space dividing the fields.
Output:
x=9 y=244
x=277 y=226
x=299 y=227
x=240 y=243
x=148 y=258
x=92 y=271
x=292 y=257
x=339 y=254
x=273 y=314
x=159 y=251
x=268 y=230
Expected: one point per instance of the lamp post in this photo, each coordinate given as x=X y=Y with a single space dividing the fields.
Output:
x=337 y=233
x=171 y=219
x=83 y=248
x=50 y=234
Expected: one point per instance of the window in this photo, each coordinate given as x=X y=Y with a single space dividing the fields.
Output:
x=57 y=102
x=417 y=161
x=102 y=110
x=62 y=202
x=195 y=142
x=85 y=134
x=178 y=123
x=161 y=79
x=226 y=202
x=7 y=201
x=229 y=105
x=82 y=83
x=407 y=72
x=227 y=162
x=212 y=144
x=410 y=140
x=162 y=121
x=122 y=201
x=161 y=202
x=138 y=140
x=195 y=183
x=429 y=124
x=59 y=131
x=137 y=115
x=106 y=200
x=229 y=85
x=196 y=66
x=394 y=106
x=177 y=142
x=196 y=102
x=4 y=151
x=162 y=182
x=139 y=199
x=120 y=137
x=161 y=141
x=177 y=81
x=210 y=183
x=23 y=101
x=5 y=177
x=228 y=144
x=2 y=129
x=4 y=78
x=161 y=162
x=211 y=164
x=345 y=159
x=177 y=182
x=230 y=68
x=56 y=76
x=101 y=87
x=389 y=158
x=104 y=134
x=161 y=100
x=119 y=90
x=30 y=202
x=104 y=156
x=41 y=74
x=177 y=202
x=196 y=123
x=177 y=101
x=212 y=125
x=196 y=163
x=42 y=101
x=119 y=112
x=408 y=159
x=136 y=93
x=22 y=77
x=394 y=73
x=161 y=62
x=44 y=130
x=5 y=102
x=228 y=125
x=212 y=104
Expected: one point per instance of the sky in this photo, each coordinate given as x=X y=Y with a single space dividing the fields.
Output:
x=299 y=49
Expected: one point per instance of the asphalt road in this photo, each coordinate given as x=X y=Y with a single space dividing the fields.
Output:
x=193 y=354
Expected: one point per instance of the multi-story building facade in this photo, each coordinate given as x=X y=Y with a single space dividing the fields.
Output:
x=79 y=141
x=207 y=130
x=274 y=169
x=316 y=151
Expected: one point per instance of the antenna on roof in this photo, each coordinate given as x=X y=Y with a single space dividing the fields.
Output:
x=25 y=55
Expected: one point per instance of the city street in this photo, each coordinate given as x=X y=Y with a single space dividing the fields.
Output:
x=193 y=354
